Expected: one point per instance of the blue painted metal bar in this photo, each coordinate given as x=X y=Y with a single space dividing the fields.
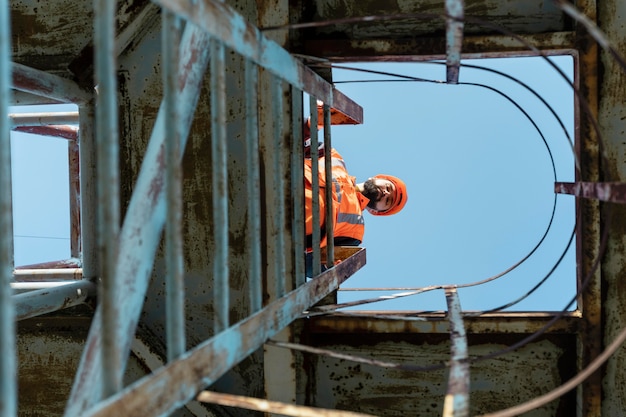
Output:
x=328 y=170
x=315 y=189
x=43 y=119
x=278 y=212
x=254 y=187
x=108 y=189
x=455 y=11
x=88 y=197
x=297 y=175
x=224 y=22
x=220 y=186
x=8 y=380
x=456 y=403
x=48 y=85
x=174 y=279
x=38 y=302
x=141 y=231
x=205 y=363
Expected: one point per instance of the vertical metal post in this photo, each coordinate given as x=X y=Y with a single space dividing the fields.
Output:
x=73 y=157
x=8 y=390
x=315 y=189
x=108 y=188
x=279 y=182
x=456 y=403
x=220 y=184
x=88 y=194
x=328 y=169
x=297 y=188
x=254 y=187
x=175 y=290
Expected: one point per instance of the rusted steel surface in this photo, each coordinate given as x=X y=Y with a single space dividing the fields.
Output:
x=64 y=132
x=73 y=159
x=424 y=18
x=140 y=233
x=8 y=366
x=612 y=122
x=614 y=192
x=456 y=403
x=454 y=38
x=429 y=48
x=220 y=20
x=208 y=361
x=506 y=323
x=64 y=263
x=38 y=302
x=341 y=384
x=48 y=85
x=253 y=187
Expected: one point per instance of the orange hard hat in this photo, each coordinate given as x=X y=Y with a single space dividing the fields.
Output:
x=400 y=197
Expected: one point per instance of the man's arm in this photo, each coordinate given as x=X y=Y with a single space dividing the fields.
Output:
x=346 y=241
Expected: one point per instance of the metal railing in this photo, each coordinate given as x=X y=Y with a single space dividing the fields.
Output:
x=121 y=260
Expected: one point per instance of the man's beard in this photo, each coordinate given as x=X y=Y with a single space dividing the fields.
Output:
x=371 y=191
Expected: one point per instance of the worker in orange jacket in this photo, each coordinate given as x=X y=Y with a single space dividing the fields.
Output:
x=381 y=195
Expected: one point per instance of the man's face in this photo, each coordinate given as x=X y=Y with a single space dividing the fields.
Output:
x=380 y=192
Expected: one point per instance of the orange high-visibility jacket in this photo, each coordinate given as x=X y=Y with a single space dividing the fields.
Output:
x=348 y=203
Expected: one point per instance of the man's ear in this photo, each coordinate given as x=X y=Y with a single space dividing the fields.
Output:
x=371 y=211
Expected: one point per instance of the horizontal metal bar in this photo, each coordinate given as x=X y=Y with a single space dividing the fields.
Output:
x=44 y=119
x=208 y=361
x=44 y=84
x=64 y=263
x=56 y=131
x=36 y=303
x=259 y=404
x=225 y=23
x=64 y=274
x=614 y=192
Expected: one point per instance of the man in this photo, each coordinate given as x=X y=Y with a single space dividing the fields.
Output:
x=381 y=195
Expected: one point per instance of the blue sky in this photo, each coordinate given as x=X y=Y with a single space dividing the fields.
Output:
x=41 y=222
x=480 y=183
x=479 y=177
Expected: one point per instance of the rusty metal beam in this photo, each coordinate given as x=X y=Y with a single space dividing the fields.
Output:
x=503 y=323
x=208 y=361
x=222 y=21
x=456 y=403
x=427 y=48
x=38 y=302
x=141 y=231
x=614 y=192
x=63 y=132
x=454 y=39
x=48 y=85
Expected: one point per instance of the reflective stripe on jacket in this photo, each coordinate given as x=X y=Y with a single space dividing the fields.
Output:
x=348 y=203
